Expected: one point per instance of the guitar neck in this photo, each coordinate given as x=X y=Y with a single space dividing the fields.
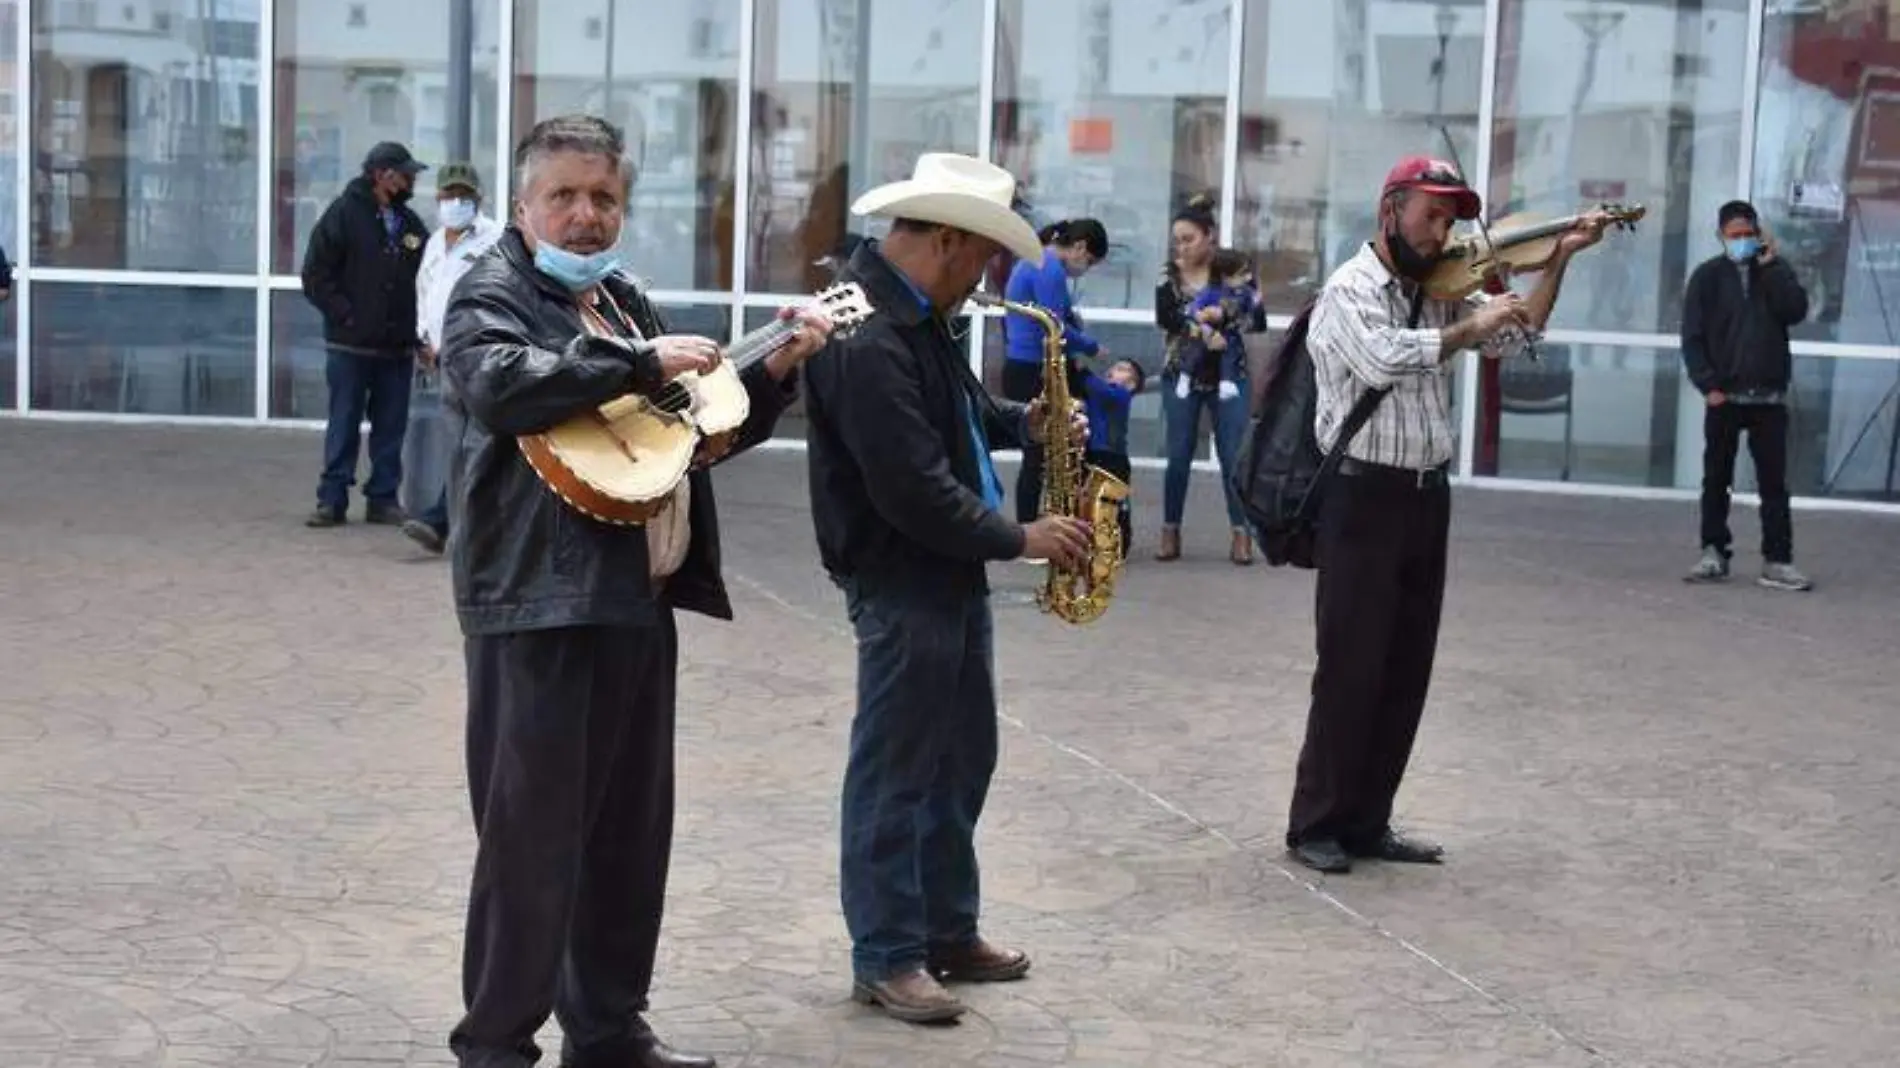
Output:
x=761 y=343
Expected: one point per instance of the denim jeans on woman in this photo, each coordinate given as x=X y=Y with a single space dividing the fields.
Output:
x=1182 y=417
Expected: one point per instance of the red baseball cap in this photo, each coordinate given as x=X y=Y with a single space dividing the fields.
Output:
x=1438 y=177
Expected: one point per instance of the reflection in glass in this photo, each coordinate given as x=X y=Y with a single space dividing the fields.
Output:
x=352 y=74
x=145 y=130
x=1827 y=163
x=1632 y=103
x=849 y=94
x=10 y=142
x=1331 y=97
x=1114 y=112
x=9 y=359
x=158 y=350
x=1626 y=416
x=297 y=389
x=667 y=75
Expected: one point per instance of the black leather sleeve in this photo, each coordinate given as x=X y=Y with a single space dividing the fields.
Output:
x=1007 y=423
x=873 y=393
x=515 y=387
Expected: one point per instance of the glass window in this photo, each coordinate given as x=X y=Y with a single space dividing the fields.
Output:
x=145 y=136
x=668 y=75
x=1332 y=95
x=1631 y=103
x=1827 y=164
x=297 y=388
x=1114 y=112
x=344 y=84
x=1627 y=416
x=849 y=94
x=9 y=355
x=9 y=136
x=160 y=350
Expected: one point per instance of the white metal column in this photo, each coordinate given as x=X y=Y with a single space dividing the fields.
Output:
x=985 y=134
x=1468 y=396
x=1751 y=94
x=1230 y=127
x=742 y=162
x=26 y=135
x=503 y=181
x=266 y=194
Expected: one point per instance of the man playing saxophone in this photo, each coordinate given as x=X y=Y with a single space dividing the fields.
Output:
x=907 y=508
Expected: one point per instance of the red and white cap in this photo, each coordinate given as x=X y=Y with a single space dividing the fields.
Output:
x=1438 y=177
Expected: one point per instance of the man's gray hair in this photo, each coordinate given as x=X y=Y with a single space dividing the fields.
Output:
x=585 y=134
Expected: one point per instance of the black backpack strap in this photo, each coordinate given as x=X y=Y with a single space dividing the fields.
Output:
x=1361 y=412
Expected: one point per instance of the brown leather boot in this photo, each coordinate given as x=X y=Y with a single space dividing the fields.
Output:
x=1170 y=544
x=1242 y=552
x=981 y=962
x=913 y=997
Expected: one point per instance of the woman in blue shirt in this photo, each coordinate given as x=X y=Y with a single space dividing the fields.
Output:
x=1069 y=249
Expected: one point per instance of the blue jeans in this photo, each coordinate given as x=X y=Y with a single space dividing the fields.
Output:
x=923 y=748
x=359 y=384
x=1183 y=419
x=437 y=516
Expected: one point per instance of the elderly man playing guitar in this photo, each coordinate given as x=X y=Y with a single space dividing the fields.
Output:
x=570 y=643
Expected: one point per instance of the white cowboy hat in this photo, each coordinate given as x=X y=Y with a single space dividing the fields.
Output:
x=961 y=192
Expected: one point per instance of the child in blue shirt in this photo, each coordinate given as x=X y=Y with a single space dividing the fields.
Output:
x=1220 y=311
x=1107 y=401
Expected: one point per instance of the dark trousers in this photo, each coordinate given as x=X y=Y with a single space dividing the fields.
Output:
x=437 y=515
x=1022 y=382
x=1381 y=557
x=1117 y=464
x=570 y=770
x=379 y=387
x=1767 y=429
x=923 y=748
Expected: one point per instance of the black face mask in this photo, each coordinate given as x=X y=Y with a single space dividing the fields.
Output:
x=401 y=194
x=1407 y=260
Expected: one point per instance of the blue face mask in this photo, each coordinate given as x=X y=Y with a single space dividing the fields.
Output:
x=456 y=214
x=571 y=269
x=1742 y=248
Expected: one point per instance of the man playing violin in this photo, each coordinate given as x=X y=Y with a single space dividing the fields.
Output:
x=570 y=647
x=1383 y=524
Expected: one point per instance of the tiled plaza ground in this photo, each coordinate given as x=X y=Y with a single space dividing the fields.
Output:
x=233 y=829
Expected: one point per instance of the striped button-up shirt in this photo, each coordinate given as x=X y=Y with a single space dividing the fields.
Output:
x=1359 y=340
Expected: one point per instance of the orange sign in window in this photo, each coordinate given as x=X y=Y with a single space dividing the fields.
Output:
x=1091 y=137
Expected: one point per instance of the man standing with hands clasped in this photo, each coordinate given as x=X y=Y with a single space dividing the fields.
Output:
x=1383 y=524
x=1736 y=311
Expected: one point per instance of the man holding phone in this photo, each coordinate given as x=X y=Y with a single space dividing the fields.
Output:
x=1736 y=312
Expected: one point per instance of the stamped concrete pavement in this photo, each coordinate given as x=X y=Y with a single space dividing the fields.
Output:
x=233 y=828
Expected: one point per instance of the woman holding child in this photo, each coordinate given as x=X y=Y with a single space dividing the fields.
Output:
x=1205 y=301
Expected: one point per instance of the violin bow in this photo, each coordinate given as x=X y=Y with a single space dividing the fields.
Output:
x=1484 y=230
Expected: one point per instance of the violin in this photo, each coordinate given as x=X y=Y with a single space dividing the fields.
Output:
x=1517 y=244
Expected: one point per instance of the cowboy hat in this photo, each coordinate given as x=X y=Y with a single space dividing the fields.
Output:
x=961 y=192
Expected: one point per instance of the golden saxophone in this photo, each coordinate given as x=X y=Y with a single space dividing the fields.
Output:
x=1070 y=486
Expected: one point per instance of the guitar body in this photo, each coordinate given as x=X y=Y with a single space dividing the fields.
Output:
x=617 y=464
x=621 y=462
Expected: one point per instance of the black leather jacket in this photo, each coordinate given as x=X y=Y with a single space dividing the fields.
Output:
x=896 y=490
x=518 y=362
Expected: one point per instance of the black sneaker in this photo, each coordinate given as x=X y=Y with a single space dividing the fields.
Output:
x=384 y=515
x=325 y=517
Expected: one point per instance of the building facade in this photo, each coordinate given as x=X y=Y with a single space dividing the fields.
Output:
x=162 y=161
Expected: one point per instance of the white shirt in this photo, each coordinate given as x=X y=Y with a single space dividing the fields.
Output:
x=442 y=267
x=1358 y=340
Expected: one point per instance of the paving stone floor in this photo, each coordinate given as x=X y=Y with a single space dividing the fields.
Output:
x=233 y=829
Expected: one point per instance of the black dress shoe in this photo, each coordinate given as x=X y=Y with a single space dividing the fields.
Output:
x=1323 y=855
x=1400 y=849
x=661 y=1055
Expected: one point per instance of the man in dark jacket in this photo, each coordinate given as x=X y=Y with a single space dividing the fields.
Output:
x=360 y=272
x=1736 y=312
x=570 y=643
x=908 y=509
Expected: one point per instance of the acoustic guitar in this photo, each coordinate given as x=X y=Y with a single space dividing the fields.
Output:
x=620 y=462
